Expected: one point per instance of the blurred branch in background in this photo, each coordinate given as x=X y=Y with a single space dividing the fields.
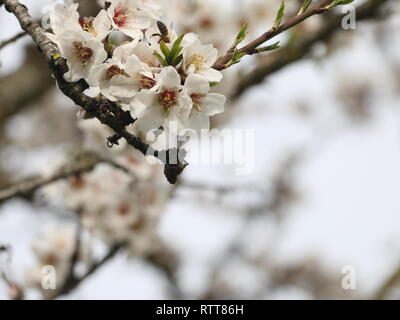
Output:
x=81 y=164
x=162 y=259
x=280 y=197
x=388 y=286
x=33 y=79
x=299 y=47
x=11 y=40
x=72 y=281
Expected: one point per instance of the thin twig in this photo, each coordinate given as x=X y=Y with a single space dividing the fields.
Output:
x=296 y=51
x=251 y=48
x=390 y=283
x=11 y=40
x=73 y=281
x=74 y=259
x=83 y=163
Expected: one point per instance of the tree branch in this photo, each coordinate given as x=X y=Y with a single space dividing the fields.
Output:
x=296 y=51
x=72 y=281
x=251 y=48
x=389 y=284
x=11 y=40
x=83 y=163
x=34 y=80
x=106 y=111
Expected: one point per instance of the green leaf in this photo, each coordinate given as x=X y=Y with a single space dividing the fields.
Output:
x=280 y=14
x=178 y=42
x=237 y=56
x=271 y=47
x=241 y=35
x=177 y=60
x=175 y=51
x=335 y=3
x=160 y=59
x=214 y=84
x=304 y=7
x=164 y=49
x=338 y=3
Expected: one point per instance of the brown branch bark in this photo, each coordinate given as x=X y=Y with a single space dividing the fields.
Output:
x=106 y=111
x=298 y=50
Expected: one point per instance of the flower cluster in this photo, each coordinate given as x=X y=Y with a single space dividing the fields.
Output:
x=128 y=203
x=135 y=59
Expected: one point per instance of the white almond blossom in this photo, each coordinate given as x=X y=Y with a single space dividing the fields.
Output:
x=118 y=81
x=137 y=73
x=142 y=50
x=99 y=27
x=152 y=8
x=205 y=104
x=126 y=17
x=199 y=59
x=64 y=18
x=153 y=36
x=82 y=52
x=167 y=107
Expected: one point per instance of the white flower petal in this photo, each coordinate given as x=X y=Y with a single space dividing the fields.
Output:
x=211 y=75
x=141 y=103
x=97 y=74
x=64 y=17
x=184 y=106
x=123 y=87
x=152 y=119
x=213 y=103
x=169 y=78
x=152 y=8
x=133 y=65
x=196 y=84
x=102 y=25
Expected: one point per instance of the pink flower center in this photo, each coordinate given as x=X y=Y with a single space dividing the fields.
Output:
x=146 y=82
x=120 y=17
x=123 y=209
x=197 y=99
x=87 y=24
x=168 y=98
x=115 y=70
x=82 y=53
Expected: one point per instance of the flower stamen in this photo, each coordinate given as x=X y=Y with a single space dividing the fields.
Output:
x=197 y=99
x=87 y=25
x=198 y=61
x=146 y=82
x=168 y=98
x=115 y=70
x=121 y=17
x=83 y=54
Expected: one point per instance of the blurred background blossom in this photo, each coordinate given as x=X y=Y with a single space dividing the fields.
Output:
x=323 y=194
